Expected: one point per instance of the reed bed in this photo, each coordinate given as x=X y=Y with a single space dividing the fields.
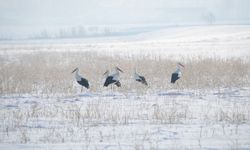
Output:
x=49 y=72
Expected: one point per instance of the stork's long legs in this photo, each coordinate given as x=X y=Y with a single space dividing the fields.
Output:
x=178 y=87
x=112 y=88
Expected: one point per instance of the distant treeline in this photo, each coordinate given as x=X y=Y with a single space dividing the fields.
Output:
x=77 y=32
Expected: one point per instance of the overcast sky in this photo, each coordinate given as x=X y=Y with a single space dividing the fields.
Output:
x=16 y=15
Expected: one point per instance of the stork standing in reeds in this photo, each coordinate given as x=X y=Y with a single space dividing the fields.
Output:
x=113 y=78
x=107 y=77
x=177 y=74
x=80 y=80
x=140 y=78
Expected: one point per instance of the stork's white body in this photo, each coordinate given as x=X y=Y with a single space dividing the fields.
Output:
x=177 y=74
x=80 y=80
x=136 y=76
x=77 y=76
x=140 y=78
x=116 y=75
x=114 y=78
x=178 y=71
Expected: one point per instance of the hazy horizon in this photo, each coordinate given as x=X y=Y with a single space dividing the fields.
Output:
x=21 y=18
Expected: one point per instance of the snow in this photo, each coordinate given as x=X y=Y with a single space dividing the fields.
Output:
x=177 y=119
x=224 y=41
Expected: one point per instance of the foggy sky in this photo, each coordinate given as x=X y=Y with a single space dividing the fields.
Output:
x=20 y=15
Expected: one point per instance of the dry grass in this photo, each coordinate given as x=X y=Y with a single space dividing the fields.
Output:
x=58 y=122
x=50 y=72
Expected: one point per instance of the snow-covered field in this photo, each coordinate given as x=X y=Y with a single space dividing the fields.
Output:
x=161 y=116
x=174 y=42
x=164 y=120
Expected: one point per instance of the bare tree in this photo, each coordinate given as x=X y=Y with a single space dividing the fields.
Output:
x=209 y=17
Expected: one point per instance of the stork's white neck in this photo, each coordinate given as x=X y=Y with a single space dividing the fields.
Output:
x=116 y=75
x=77 y=76
x=178 y=69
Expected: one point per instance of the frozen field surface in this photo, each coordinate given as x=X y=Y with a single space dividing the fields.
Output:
x=176 y=42
x=175 y=119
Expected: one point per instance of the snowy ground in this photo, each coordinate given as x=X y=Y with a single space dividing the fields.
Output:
x=173 y=42
x=168 y=119
x=218 y=119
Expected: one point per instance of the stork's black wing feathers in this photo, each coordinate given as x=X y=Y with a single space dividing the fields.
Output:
x=84 y=82
x=174 y=77
x=118 y=83
x=142 y=80
x=109 y=80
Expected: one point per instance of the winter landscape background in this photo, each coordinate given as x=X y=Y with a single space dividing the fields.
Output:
x=42 y=106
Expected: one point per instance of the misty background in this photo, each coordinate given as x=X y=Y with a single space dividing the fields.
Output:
x=22 y=19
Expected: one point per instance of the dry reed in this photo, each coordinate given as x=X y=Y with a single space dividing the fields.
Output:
x=50 y=72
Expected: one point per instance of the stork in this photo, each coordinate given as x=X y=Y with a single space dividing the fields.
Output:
x=80 y=80
x=177 y=74
x=140 y=78
x=107 y=77
x=113 y=78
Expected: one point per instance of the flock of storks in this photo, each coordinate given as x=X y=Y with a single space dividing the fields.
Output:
x=114 y=78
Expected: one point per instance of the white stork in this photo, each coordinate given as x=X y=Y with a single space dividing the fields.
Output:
x=113 y=78
x=106 y=74
x=82 y=81
x=177 y=74
x=140 y=78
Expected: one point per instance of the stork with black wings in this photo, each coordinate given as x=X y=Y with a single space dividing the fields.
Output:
x=140 y=78
x=80 y=80
x=177 y=74
x=113 y=78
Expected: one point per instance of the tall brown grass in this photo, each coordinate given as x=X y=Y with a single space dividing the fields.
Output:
x=50 y=72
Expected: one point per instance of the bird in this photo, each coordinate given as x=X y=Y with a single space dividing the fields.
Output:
x=80 y=80
x=113 y=78
x=140 y=78
x=177 y=74
x=109 y=78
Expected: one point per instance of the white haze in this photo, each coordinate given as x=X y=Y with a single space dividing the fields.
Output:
x=20 y=18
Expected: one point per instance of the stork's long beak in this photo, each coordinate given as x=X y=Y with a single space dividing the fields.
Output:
x=106 y=72
x=74 y=70
x=181 y=65
x=119 y=69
